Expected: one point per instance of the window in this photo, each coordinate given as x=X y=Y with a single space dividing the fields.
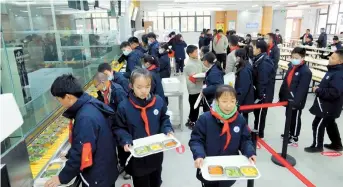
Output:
x=322 y=23
x=324 y=10
x=207 y=22
x=333 y=13
x=191 y=24
x=191 y=13
x=167 y=14
x=183 y=13
x=152 y=14
x=341 y=8
x=175 y=13
x=207 y=13
x=184 y=24
x=168 y=23
x=200 y=24
x=160 y=22
x=333 y=29
x=175 y=23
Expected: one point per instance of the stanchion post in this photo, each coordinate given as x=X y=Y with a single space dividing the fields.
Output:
x=291 y=160
x=254 y=135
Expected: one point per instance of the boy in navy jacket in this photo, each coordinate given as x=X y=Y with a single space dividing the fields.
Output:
x=264 y=83
x=92 y=154
x=178 y=46
x=141 y=115
x=273 y=50
x=164 y=61
x=153 y=45
x=134 y=58
x=134 y=44
x=221 y=132
x=213 y=78
x=295 y=87
x=327 y=106
x=114 y=76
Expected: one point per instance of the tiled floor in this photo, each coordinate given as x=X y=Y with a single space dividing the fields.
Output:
x=179 y=171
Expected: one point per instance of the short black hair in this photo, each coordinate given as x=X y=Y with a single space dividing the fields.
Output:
x=66 y=84
x=340 y=53
x=151 y=35
x=151 y=60
x=191 y=49
x=133 y=40
x=124 y=44
x=205 y=49
x=262 y=45
x=164 y=45
x=249 y=35
x=272 y=36
x=202 y=33
x=215 y=30
x=144 y=38
x=225 y=89
x=171 y=34
x=140 y=72
x=299 y=50
x=220 y=31
x=103 y=67
x=233 y=40
x=335 y=38
x=276 y=30
x=308 y=30
x=210 y=58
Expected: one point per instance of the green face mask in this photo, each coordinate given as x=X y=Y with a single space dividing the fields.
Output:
x=222 y=114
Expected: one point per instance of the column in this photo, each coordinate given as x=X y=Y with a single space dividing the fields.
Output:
x=267 y=19
x=231 y=20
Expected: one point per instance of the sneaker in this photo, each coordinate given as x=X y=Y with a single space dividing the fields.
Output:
x=126 y=176
x=176 y=74
x=295 y=139
x=191 y=125
x=313 y=149
x=333 y=147
x=120 y=169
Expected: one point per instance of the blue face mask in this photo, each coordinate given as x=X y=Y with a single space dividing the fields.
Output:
x=295 y=62
x=110 y=78
x=126 y=52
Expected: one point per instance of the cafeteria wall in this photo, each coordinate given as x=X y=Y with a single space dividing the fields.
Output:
x=309 y=20
x=247 y=20
x=279 y=21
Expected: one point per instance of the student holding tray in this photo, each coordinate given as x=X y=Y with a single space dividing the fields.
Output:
x=221 y=132
x=140 y=115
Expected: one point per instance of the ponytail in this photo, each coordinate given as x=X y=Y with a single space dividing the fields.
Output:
x=211 y=59
x=152 y=60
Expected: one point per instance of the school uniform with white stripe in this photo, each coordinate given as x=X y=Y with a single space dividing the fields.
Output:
x=295 y=88
x=327 y=107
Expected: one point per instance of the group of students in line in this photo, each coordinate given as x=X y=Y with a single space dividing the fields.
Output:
x=307 y=39
x=132 y=106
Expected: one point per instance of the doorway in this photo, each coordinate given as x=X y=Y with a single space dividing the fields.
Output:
x=293 y=27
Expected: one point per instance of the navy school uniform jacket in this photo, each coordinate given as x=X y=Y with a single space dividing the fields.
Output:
x=130 y=126
x=92 y=136
x=153 y=49
x=121 y=80
x=179 y=49
x=206 y=139
x=117 y=95
x=133 y=61
x=274 y=55
x=329 y=95
x=297 y=91
x=141 y=49
x=264 y=78
x=338 y=45
x=244 y=86
x=165 y=69
x=156 y=84
x=322 y=40
x=213 y=78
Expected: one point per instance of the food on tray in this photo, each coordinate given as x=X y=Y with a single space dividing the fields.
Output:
x=233 y=172
x=50 y=173
x=170 y=143
x=249 y=171
x=34 y=158
x=55 y=166
x=215 y=170
x=142 y=150
x=156 y=147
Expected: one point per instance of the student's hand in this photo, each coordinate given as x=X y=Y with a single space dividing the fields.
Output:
x=252 y=159
x=198 y=163
x=127 y=148
x=63 y=155
x=315 y=88
x=53 y=182
x=170 y=134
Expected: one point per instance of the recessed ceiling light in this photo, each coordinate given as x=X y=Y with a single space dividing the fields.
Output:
x=276 y=5
x=324 y=3
x=255 y=6
x=293 y=3
x=16 y=15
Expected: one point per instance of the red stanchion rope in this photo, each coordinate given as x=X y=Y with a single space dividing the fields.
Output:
x=264 y=105
x=284 y=162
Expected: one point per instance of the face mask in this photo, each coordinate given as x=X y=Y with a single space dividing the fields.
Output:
x=267 y=40
x=110 y=78
x=277 y=33
x=295 y=62
x=126 y=52
x=143 y=66
x=149 y=42
x=104 y=88
x=161 y=51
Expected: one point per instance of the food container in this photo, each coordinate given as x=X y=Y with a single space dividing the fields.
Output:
x=215 y=170
x=156 y=147
x=144 y=150
x=171 y=84
x=249 y=171
x=34 y=158
x=169 y=143
x=233 y=172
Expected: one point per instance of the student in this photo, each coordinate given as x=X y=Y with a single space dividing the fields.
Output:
x=336 y=43
x=295 y=87
x=112 y=94
x=231 y=58
x=322 y=40
x=151 y=64
x=114 y=76
x=145 y=42
x=244 y=84
x=153 y=45
x=220 y=44
x=214 y=77
x=201 y=42
x=208 y=37
x=221 y=132
x=307 y=38
x=278 y=39
x=141 y=115
x=327 y=106
x=92 y=154
x=178 y=47
x=264 y=83
x=260 y=37
x=247 y=40
x=194 y=86
x=273 y=50
x=164 y=61
x=133 y=58
x=134 y=44
x=203 y=51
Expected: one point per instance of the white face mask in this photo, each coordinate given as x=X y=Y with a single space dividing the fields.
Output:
x=104 y=88
x=161 y=51
x=126 y=52
x=110 y=78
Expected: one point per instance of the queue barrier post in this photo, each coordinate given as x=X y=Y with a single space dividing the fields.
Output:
x=291 y=160
x=254 y=135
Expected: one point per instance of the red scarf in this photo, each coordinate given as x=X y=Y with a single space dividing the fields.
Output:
x=234 y=48
x=152 y=67
x=70 y=140
x=291 y=74
x=270 y=48
x=105 y=93
x=226 y=128
x=219 y=36
x=144 y=114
